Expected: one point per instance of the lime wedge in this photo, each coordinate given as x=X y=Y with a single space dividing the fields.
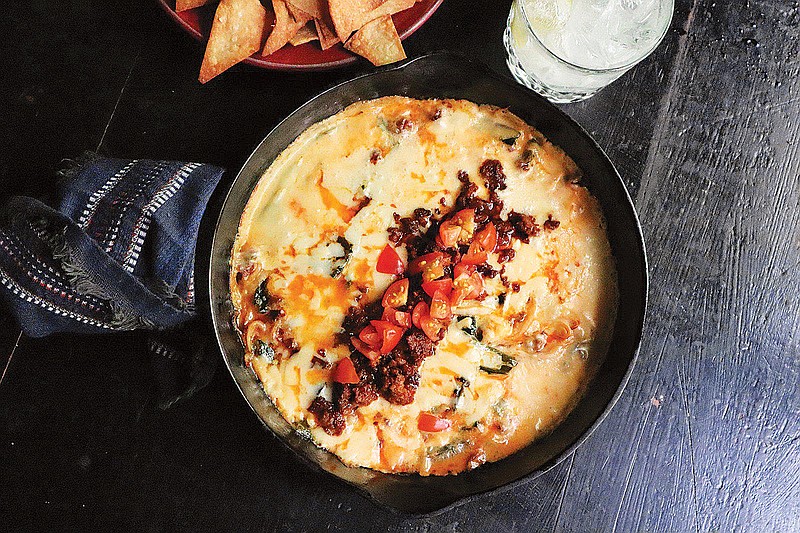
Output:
x=547 y=15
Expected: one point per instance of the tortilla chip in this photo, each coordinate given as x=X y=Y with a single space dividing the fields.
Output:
x=327 y=37
x=350 y=15
x=315 y=8
x=183 y=5
x=378 y=42
x=286 y=26
x=389 y=7
x=236 y=34
x=305 y=34
x=296 y=13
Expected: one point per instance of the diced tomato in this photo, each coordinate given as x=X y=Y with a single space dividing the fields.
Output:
x=445 y=285
x=467 y=287
x=426 y=261
x=373 y=354
x=476 y=284
x=483 y=244
x=463 y=270
x=371 y=336
x=432 y=328
x=398 y=318
x=420 y=310
x=431 y=265
x=465 y=221
x=458 y=296
x=431 y=423
x=421 y=318
x=464 y=218
x=440 y=306
x=487 y=238
x=345 y=372
x=449 y=233
x=397 y=294
x=461 y=284
x=390 y=334
x=474 y=256
x=389 y=262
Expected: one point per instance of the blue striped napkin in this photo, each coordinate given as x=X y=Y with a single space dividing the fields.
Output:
x=116 y=254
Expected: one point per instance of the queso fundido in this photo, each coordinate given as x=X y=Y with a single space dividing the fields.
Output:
x=423 y=285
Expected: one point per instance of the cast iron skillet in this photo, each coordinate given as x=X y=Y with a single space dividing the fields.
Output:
x=444 y=75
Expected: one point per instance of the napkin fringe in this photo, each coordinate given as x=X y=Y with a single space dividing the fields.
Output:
x=162 y=290
x=83 y=281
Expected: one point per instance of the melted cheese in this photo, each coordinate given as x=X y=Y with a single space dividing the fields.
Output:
x=557 y=326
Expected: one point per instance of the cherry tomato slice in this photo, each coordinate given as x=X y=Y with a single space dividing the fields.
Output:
x=462 y=270
x=420 y=310
x=421 y=317
x=474 y=256
x=431 y=265
x=389 y=262
x=345 y=372
x=432 y=423
x=397 y=294
x=390 y=334
x=398 y=318
x=440 y=306
x=449 y=233
x=487 y=238
x=432 y=328
x=476 y=284
x=445 y=285
x=373 y=354
x=467 y=287
x=465 y=217
x=465 y=221
x=371 y=337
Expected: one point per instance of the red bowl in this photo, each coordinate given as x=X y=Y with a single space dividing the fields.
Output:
x=197 y=23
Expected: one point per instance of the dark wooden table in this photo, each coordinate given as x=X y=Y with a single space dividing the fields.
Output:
x=707 y=434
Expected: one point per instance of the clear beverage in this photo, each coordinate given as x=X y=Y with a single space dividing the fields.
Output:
x=567 y=50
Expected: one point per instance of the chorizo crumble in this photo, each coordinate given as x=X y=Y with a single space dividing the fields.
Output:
x=395 y=375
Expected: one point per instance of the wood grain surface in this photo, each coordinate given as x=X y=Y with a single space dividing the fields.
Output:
x=707 y=434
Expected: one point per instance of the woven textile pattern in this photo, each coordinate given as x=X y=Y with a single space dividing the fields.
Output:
x=117 y=253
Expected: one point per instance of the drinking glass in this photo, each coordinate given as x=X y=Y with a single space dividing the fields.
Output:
x=567 y=50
